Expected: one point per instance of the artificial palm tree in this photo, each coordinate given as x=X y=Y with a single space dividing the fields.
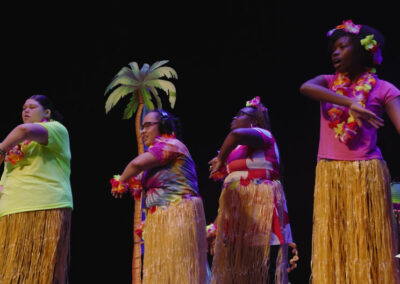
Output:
x=141 y=84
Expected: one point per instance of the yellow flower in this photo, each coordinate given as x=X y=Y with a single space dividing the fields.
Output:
x=368 y=42
x=339 y=129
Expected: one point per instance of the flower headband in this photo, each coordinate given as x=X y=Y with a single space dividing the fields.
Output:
x=368 y=42
x=255 y=102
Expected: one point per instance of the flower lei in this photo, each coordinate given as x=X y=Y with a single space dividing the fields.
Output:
x=368 y=42
x=341 y=119
x=17 y=153
x=133 y=185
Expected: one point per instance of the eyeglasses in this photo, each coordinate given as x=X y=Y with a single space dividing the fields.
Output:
x=240 y=113
x=148 y=124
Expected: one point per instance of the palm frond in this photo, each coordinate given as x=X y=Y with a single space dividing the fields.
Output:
x=162 y=72
x=157 y=64
x=147 y=99
x=122 y=80
x=144 y=71
x=135 y=69
x=154 y=92
x=164 y=85
x=131 y=107
x=167 y=87
x=172 y=98
x=116 y=95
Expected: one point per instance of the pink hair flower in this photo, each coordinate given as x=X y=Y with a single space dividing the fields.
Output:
x=347 y=26
x=253 y=102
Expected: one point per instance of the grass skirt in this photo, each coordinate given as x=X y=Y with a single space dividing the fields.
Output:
x=175 y=248
x=353 y=234
x=244 y=226
x=34 y=247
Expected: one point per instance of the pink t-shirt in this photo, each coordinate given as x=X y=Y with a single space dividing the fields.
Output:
x=363 y=146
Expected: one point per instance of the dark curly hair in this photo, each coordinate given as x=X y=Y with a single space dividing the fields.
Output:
x=169 y=124
x=365 y=57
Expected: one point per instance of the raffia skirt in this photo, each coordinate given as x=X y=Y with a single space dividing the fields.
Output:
x=175 y=247
x=34 y=247
x=244 y=229
x=353 y=234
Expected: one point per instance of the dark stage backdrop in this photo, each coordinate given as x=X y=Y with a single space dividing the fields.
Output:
x=224 y=54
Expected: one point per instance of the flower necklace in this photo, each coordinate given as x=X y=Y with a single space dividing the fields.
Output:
x=341 y=119
x=17 y=153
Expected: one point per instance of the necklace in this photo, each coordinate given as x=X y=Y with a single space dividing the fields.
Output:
x=340 y=118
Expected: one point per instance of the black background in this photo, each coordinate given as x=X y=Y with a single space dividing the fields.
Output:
x=224 y=53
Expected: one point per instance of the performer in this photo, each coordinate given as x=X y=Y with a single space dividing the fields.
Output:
x=353 y=237
x=35 y=197
x=252 y=215
x=174 y=230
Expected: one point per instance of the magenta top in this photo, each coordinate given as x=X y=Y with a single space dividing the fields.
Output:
x=363 y=146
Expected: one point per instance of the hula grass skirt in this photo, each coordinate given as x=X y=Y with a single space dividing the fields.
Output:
x=34 y=247
x=175 y=248
x=353 y=233
x=244 y=228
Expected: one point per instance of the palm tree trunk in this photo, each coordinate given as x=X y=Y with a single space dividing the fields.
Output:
x=137 y=215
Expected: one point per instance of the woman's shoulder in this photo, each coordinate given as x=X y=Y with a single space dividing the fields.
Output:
x=387 y=85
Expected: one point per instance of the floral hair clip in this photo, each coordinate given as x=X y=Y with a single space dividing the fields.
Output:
x=347 y=26
x=372 y=46
x=255 y=102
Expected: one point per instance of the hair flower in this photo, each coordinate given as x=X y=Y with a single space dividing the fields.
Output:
x=347 y=26
x=369 y=43
x=253 y=102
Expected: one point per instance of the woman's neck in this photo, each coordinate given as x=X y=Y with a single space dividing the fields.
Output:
x=355 y=74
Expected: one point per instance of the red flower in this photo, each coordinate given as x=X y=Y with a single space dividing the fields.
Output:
x=152 y=209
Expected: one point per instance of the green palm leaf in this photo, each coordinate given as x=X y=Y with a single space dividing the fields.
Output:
x=163 y=72
x=157 y=64
x=154 y=92
x=116 y=95
x=147 y=99
x=135 y=69
x=131 y=107
x=123 y=80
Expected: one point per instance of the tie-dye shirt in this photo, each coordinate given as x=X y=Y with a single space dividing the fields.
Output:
x=175 y=179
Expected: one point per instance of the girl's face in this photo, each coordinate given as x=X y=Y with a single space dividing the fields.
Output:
x=243 y=119
x=149 y=129
x=32 y=111
x=343 y=58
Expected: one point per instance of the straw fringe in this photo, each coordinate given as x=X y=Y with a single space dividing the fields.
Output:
x=175 y=244
x=34 y=247
x=243 y=237
x=353 y=234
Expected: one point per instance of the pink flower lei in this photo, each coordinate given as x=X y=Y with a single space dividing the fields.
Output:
x=341 y=119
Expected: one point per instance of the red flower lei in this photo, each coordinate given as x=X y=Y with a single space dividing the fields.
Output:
x=341 y=119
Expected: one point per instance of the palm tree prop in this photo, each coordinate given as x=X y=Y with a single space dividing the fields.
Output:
x=141 y=84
